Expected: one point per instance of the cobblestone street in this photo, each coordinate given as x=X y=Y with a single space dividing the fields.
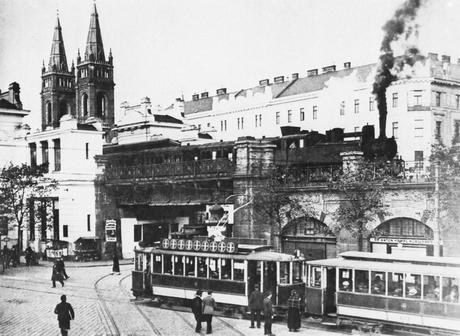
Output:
x=103 y=305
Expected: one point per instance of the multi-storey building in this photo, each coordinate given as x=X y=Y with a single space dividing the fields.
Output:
x=77 y=107
x=423 y=105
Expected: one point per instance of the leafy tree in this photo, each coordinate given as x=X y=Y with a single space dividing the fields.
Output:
x=361 y=200
x=273 y=202
x=447 y=161
x=19 y=183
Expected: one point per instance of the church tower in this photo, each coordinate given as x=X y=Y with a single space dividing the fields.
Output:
x=95 y=86
x=58 y=84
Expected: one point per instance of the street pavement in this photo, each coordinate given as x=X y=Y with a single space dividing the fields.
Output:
x=103 y=305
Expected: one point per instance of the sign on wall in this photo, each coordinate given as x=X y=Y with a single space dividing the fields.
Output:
x=110 y=230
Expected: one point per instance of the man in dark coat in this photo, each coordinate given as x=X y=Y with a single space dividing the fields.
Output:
x=116 y=264
x=197 y=306
x=256 y=304
x=57 y=276
x=294 y=305
x=209 y=304
x=268 y=312
x=61 y=267
x=65 y=313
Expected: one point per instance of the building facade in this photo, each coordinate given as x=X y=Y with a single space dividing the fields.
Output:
x=77 y=109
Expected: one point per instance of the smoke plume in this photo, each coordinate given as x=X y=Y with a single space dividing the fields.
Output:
x=397 y=28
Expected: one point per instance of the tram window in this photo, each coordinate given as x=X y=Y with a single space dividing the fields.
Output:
x=413 y=286
x=190 y=266
x=213 y=269
x=284 y=273
x=315 y=280
x=395 y=284
x=345 y=283
x=202 y=267
x=431 y=288
x=167 y=264
x=139 y=262
x=178 y=265
x=450 y=290
x=296 y=272
x=157 y=263
x=226 y=268
x=238 y=270
x=362 y=281
x=378 y=283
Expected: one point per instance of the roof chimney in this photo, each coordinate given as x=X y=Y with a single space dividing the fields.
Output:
x=329 y=68
x=264 y=82
x=295 y=76
x=195 y=97
x=204 y=95
x=433 y=56
x=445 y=58
x=221 y=91
x=279 y=79
x=347 y=65
x=312 y=72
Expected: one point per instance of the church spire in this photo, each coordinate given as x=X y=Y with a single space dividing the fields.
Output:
x=94 y=47
x=58 y=60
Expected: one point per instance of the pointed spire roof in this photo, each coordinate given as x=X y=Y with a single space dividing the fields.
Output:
x=58 y=60
x=94 y=44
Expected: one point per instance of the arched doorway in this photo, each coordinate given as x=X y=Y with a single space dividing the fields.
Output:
x=311 y=237
x=402 y=235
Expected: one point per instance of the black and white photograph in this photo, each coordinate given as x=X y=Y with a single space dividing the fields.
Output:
x=229 y=167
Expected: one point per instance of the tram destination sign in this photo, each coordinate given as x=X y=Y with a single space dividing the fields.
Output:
x=199 y=245
x=402 y=241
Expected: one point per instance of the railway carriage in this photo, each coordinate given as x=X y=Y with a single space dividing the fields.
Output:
x=420 y=293
x=176 y=269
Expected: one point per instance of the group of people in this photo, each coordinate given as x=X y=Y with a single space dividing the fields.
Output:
x=10 y=256
x=59 y=273
x=203 y=310
x=259 y=304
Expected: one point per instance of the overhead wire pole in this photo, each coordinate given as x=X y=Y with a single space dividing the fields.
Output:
x=436 y=231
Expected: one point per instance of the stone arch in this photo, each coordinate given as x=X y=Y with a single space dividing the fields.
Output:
x=311 y=236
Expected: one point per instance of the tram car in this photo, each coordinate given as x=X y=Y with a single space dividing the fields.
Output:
x=419 y=293
x=172 y=272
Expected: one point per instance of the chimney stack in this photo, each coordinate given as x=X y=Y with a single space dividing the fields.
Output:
x=221 y=91
x=195 y=97
x=264 y=82
x=445 y=59
x=312 y=72
x=347 y=65
x=204 y=95
x=433 y=56
x=279 y=79
x=329 y=68
x=295 y=76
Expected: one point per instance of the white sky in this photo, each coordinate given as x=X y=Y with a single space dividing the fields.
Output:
x=164 y=48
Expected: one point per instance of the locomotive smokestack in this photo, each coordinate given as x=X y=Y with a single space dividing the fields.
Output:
x=387 y=70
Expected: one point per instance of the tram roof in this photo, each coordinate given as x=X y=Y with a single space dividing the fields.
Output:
x=256 y=255
x=396 y=267
x=401 y=258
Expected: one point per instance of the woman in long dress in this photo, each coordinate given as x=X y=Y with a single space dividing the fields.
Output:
x=294 y=311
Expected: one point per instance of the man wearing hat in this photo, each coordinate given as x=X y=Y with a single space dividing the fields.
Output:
x=197 y=309
x=256 y=304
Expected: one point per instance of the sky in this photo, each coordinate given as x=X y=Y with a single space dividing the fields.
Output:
x=164 y=49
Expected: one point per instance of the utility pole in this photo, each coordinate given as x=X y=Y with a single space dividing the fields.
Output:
x=436 y=231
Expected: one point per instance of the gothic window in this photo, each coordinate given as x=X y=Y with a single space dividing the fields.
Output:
x=84 y=104
x=49 y=117
x=101 y=105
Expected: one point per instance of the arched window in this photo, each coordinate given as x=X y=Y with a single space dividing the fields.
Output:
x=403 y=227
x=101 y=105
x=63 y=109
x=49 y=116
x=84 y=104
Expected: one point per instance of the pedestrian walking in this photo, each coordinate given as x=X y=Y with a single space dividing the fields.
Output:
x=256 y=304
x=61 y=267
x=147 y=280
x=56 y=276
x=268 y=314
x=28 y=252
x=6 y=256
x=14 y=255
x=116 y=263
x=197 y=306
x=209 y=304
x=294 y=303
x=65 y=313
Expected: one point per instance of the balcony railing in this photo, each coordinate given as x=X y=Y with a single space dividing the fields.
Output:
x=190 y=169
